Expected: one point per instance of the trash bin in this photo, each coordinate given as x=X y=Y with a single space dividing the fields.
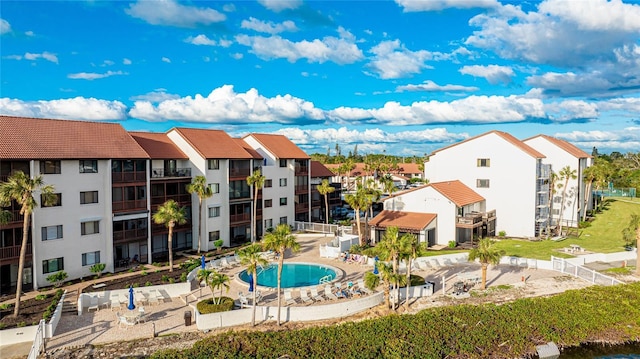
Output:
x=187 y=318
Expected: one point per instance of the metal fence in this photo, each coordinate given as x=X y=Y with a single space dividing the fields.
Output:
x=38 y=341
x=587 y=274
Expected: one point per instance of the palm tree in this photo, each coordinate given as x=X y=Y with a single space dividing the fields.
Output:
x=358 y=202
x=251 y=257
x=410 y=252
x=200 y=187
x=486 y=254
x=203 y=276
x=589 y=175
x=386 y=274
x=566 y=174
x=257 y=181
x=393 y=246
x=22 y=188
x=633 y=230
x=553 y=177
x=325 y=189
x=218 y=280
x=279 y=241
x=170 y=214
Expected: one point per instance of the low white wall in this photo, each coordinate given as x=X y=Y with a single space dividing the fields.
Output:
x=50 y=328
x=166 y=291
x=526 y=263
x=18 y=335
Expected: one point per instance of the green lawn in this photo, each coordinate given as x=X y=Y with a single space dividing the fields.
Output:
x=604 y=235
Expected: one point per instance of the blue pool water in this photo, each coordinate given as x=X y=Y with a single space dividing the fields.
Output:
x=293 y=275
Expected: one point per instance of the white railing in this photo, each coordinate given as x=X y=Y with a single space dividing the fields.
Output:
x=578 y=271
x=316 y=227
x=38 y=341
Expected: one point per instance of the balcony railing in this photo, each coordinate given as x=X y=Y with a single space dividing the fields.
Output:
x=124 y=177
x=301 y=170
x=302 y=188
x=182 y=199
x=178 y=172
x=129 y=234
x=16 y=217
x=13 y=252
x=239 y=194
x=239 y=172
x=129 y=205
x=235 y=218
x=472 y=220
x=302 y=207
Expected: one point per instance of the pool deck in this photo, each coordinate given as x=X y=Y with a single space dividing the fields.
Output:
x=168 y=318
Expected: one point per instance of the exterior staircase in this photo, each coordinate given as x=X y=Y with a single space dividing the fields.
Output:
x=70 y=304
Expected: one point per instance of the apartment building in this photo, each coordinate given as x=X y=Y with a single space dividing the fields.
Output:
x=319 y=173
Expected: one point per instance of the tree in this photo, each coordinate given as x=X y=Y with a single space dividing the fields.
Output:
x=393 y=246
x=357 y=201
x=566 y=174
x=251 y=257
x=553 y=177
x=589 y=175
x=325 y=189
x=633 y=230
x=410 y=252
x=22 y=188
x=386 y=274
x=257 y=181
x=279 y=241
x=486 y=254
x=170 y=214
x=218 y=280
x=200 y=187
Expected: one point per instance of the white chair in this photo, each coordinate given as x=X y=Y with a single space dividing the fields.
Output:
x=304 y=297
x=93 y=303
x=153 y=299
x=141 y=315
x=328 y=293
x=315 y=295
x=114 y=302
x=122 y=320
x=363 y=288
x=242 y=301
x=288 y=297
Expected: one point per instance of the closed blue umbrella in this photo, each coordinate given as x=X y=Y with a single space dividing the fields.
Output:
x=202 y=262
x=131 y=306
x=375 y=265
x=250 y=282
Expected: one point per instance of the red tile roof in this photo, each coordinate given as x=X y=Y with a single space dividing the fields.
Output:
x=403 y=220
x=213 y=143
x=319 y=170
x=358 y=170
x=158 y=145
x=36 y=138
x=408 y=168
x=507 y=137
x=280 y=146
x=248 y=148
x=457 y=192
x=567 y=146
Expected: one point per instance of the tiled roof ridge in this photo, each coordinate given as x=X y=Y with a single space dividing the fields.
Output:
x=506 y=136
x=567 y=146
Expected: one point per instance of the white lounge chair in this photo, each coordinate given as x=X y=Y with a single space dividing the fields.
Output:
x=93 y=303
x=328 y=293
x=243 y=302
x=288 y=297
x=363 y=288
x=304 y=297
x=153 y=298
x=114 y=302
x=122 y=320
x=315 y=295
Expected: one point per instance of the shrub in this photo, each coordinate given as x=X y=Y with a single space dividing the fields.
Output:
x=452 y=244
x=208 y=306
x=41 y=296
x=5 y=306
x=218 y=243
x=22 y=324
x=190 y=264
x=165 y=278
x=171 y=280
x=148 y=284
x=144 y=273
x=502 y=233
x=584 y=224
x=97 y=269
x=57 y=278
x=183 y=277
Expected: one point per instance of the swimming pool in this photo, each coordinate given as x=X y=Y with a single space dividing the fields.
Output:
x=293 y=275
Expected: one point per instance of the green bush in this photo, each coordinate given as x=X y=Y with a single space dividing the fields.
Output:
x=207 y=306
x=144 y=273
x=171 y=280
x=190 y=264
x=5 y=306
x=41 y=296
x=148 y=284
x=502 y=233
x=97 y=268
x=218 y=243
x=452 y=244
x=183 y=277
x=165 y=278
x=584 y=224
x=57 y=278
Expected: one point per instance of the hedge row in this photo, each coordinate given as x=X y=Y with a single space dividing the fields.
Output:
x=463 y=331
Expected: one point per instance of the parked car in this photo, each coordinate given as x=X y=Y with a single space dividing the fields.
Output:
x=340 y=212
x=352 y=214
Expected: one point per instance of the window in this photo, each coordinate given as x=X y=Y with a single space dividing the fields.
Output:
x=283 y=220
x=268 y=203
x=51 y=232
x=52 y=265
x=91 y=227
x=215 y=187
x=268 y=223
x=482 y=183
x=214 y=212
x=484 y=162
x=557 y=199
x=91 y=258
x=283 y=201
x=268 y=183
x=57 y=202
x=214 y=236
x=88 y=166
x=283 y=182
x=283 y=163
x=50 y=167
x=88 y=197
x=213 y=164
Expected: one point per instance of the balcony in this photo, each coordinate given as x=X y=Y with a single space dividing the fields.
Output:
x=162 y=173
x=302 y=207
x=126 y=177
x=301 y=170
x=140 y=204
x=132 y=234
x=238 y=218
x=302 y=189
x=13 y=252
x=182 y=199
x=16 y=217
x=239 y=172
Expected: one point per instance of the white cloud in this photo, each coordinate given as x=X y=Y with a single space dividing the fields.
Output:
x=171 y=13
x=29 y=33
x=436 y=5
x=5 y=27
x=596 y=15
x=94 y=76
x=237 y=56
x=225 y=43
x=126 y=61
x=224 y=105
x=200 y=40
x=228 y=7
x=166 y=59
x=368 y=32
x=493 y=73
x=393 y=60
x=45 y=55
x=155 y=96
x=268 y=27
x=341 y=50
x=431 y=86
x=626 y=139
x=108 y=63
x=279 y=5
x=78 y=108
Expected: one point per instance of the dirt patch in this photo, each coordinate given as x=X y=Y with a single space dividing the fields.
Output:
x=143 y=277
x=31 y=311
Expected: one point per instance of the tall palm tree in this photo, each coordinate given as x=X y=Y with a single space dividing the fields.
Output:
x=589 y=175
x=200 y=187
x=392 y=247
x=410 y=252
x=633 y=230
x=325 y=189
x=553 y=177
x=386 y=274
x=486 y=254
x=257 y=181
x=279 y=241
x=251 y=257
x=170 y=214
x=22 y=188
x=218 y=280
x=203 y=276
x=357 y=201
x=566 y=174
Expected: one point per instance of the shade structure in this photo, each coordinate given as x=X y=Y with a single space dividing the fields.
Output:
x=202 y=262
x=131 y=305
x=250 y=282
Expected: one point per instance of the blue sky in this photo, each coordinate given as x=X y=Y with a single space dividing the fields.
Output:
x=403 y=76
